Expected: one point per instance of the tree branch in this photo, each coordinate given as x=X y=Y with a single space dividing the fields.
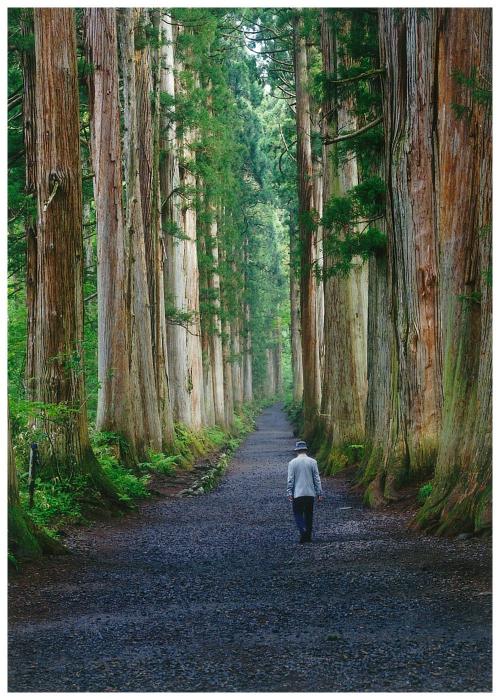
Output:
x=355 y=78
x=353 y=134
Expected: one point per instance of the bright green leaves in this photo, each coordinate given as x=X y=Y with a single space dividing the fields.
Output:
x=348 y=225
x=364 y=201
x=476 y=91
x=369 y=197
x=343 y=251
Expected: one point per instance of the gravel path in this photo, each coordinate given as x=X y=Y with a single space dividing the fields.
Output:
x=214 y=593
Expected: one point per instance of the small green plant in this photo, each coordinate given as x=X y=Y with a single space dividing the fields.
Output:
x=159 y=462
x=424 y=492
x=128 y=484
x=354 y=453
x=56 y=500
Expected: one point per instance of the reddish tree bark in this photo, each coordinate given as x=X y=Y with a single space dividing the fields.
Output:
x=58 y=362
x=408 y=50
x=144 y=391
x=461 y=496
x=310 y=364
x=114 y=412
x=29 y=131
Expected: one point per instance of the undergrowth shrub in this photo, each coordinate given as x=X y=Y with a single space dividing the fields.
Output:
x=56 y=501
x=159 y=462
x=334 y=459
x=128 y=484
x=424 y=493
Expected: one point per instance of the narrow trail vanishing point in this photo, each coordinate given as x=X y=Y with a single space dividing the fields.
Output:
x=214 y=593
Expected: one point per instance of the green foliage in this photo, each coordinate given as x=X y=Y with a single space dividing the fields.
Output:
x=342 y=218
x=161 y=463
x=129 y=485
x=176 y=316
x=354 y=453
x=369 y=197
x=424 y=492
x=56 y=501
x=478 y=88
x=170 y=228
x=470 y=299
x=367 y=147
x=477 y=91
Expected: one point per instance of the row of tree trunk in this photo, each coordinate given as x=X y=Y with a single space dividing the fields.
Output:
x=406 y=337
x=156 y=366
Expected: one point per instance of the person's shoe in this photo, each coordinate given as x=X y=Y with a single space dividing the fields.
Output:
x=303 y=538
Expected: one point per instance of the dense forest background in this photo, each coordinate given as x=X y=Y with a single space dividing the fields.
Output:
x=211 y=208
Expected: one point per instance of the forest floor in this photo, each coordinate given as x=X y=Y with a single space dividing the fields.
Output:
x=214 y=592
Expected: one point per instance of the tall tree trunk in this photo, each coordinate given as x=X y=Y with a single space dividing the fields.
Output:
x=183 y=277
x=309 y=339
x=29 y=132
x=144 y=393
x=114 y=410
x=236 y=347
x=344 y=375
x=270 y=387
x=461 y=495
x=58 y=362
x=191 y=289
x=207 y=321
x=158 y=312
x=408 y=48
x=145 y=138
x=88 y=244
x=226 y=339
x=381 y=361
x=296 y=345
x=216 y=335
x=317 y=244
x=247 y=334
x=278 y=370
x=171 y=223
x=228 y=376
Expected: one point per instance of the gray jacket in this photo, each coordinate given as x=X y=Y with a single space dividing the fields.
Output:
x=303 y=477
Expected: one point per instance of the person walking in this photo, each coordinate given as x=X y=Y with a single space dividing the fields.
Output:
x=303 y=485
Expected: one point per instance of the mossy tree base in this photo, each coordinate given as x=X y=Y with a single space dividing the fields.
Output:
x=456 y=513
x=26 y=540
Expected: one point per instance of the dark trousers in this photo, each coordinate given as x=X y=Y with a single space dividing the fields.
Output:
x=303 y=513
